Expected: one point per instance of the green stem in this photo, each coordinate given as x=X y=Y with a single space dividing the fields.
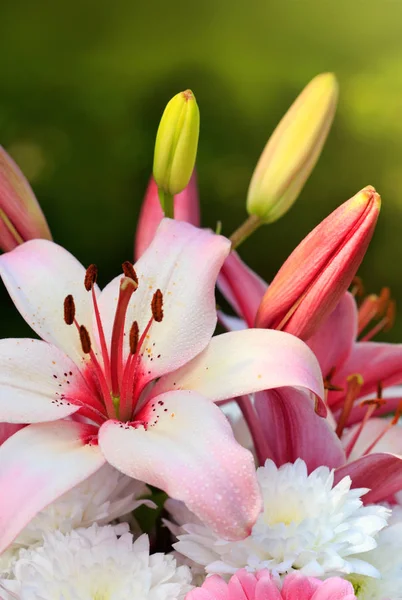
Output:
x=169 y=206
x=245 y=230
x=167 y=203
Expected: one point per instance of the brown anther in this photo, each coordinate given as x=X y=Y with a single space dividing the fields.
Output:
x=134 y=337
x=331 y=387
x=157 y=306
x=357 y=287
x=91 y=276
x=390 y=315
x=85 y=340
x=379 y=390
x=69 y=310
x=129 y=271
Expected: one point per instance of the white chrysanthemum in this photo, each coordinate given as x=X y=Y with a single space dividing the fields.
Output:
x=387 y=557
x=95 y=564
x=102 y=498
x=306 y=524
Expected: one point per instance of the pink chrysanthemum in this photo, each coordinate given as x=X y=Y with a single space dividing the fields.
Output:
x=261 y=586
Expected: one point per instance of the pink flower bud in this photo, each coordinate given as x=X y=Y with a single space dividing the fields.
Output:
x=186 y=208
x=21 y=217
x=315 y=276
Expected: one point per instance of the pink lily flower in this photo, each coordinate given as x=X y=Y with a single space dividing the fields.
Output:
x=284 y=427
x=129 y=376
x=262 y=586
x=186 y=208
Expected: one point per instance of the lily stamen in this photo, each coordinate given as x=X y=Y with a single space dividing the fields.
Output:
x=354 y=383
x=387 y=427
x=372 y=406
x=376 y=307
x=385 y=324
x=91 y=276
x=368 y=310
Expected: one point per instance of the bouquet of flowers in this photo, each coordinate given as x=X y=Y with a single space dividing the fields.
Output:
x=143 y=457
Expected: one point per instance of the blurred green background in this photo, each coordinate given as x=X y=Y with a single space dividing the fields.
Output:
x=83 y=85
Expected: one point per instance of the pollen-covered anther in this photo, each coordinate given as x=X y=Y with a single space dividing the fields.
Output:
x=128 y=284
x=69 y=310
x=85 y=340
x=129 y=271
x=91 y=276
x=134 y=337
x=157 y=306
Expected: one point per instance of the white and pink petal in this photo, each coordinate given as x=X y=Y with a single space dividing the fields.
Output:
x=183 y=262
x=243 y=362
x=36 y=382
x=37 y=465
x=38 y=276
x=186 y=447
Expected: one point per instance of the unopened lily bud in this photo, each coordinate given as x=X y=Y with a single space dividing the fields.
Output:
x=186 y=208
x=21 y=217
x=293 y=150
x=315 y=276
x=176 y=143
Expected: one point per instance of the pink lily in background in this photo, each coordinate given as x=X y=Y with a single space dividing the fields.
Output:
x=284 y=427
x=186 y=208
x=313 y=279
x=129 y=375
x=262 y=586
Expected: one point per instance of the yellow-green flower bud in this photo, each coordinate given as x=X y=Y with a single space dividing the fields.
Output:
x=292 y=150
x=176 y=143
